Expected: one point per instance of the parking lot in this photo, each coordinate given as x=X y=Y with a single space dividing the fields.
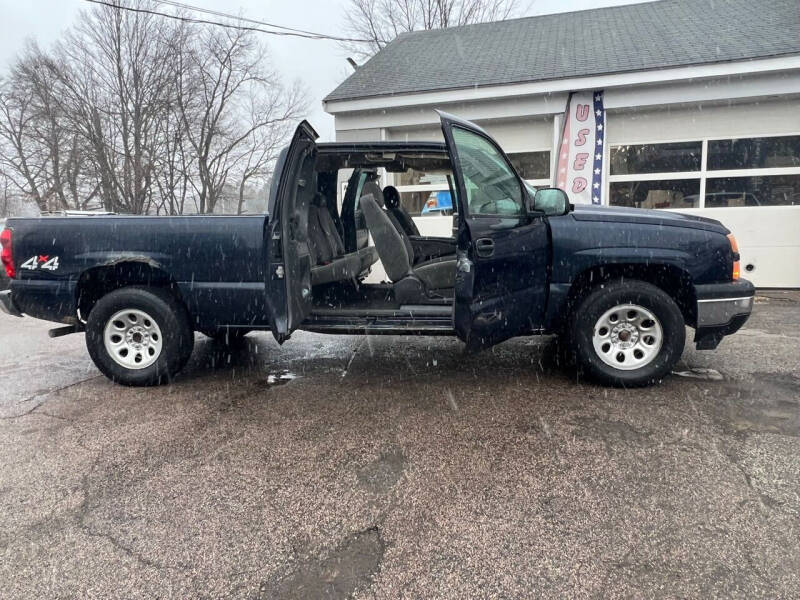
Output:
x=390 y=467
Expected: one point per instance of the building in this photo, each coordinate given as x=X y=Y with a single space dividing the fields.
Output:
x=701 y=98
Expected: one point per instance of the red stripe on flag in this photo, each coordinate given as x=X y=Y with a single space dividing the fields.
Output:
x=563 y=149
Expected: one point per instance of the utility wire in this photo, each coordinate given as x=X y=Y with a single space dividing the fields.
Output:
x=217 y=13
x=289 y=32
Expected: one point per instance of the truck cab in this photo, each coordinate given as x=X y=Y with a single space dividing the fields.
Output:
x=485 y=284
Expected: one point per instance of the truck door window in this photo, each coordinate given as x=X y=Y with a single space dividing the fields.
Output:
x=492 y=186
x=362 y=179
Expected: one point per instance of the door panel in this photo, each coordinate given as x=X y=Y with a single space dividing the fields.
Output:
x=288 y=284
x=503 y=253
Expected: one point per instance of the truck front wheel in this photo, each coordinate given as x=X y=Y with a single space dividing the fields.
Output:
x=627 y=333
x=139 y=336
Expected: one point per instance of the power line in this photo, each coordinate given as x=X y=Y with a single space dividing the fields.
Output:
x=289 y=32
x=217 y=13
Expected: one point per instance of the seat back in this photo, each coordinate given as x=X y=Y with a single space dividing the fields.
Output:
x=392 y=199
x=329 y=229
x=371 y=188
x=317 y=241
x=393 y=246
x=324 y=240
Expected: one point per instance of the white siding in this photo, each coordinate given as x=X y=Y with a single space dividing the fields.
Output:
x=518 y=135
x=678 y=123
x=359 y=135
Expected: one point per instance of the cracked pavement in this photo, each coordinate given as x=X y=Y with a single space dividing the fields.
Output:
x=391 y=467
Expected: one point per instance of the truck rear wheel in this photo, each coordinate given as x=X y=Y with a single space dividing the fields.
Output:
x=139 y=336
x=627 y=334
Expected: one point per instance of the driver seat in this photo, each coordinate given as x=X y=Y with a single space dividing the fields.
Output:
x=413 y=283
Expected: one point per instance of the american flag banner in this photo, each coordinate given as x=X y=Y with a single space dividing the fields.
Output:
x=580 y=161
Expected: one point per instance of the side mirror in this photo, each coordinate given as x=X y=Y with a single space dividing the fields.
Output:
x=552 y=202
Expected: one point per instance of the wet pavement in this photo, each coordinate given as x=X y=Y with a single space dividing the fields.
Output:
x=391 y=467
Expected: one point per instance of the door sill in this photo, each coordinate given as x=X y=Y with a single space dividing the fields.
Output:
x=407 y=311
x=388 y=323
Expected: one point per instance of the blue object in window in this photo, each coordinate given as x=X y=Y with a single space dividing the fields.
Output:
x=438 y=202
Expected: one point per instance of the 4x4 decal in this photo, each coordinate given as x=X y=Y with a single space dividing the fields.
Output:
x=41 y=261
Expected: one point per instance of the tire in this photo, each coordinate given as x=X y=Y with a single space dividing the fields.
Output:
x=626 y=334
x=139 y=336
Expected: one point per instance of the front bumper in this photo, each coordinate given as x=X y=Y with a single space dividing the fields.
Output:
x=7 y=304
x=722 y=308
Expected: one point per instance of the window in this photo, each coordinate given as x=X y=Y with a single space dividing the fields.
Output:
x=491 y=184
x=362 y=179
x=746 y=172
x=531 y=165
x=673 y=193
x=644 y=175
x=779 y=190
x=754 y=153
x=425 y=192
x=676 y=157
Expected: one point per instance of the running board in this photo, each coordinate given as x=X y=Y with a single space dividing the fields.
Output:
x=342 y=329
x=424 y=310
x=62 y=331
x=386 y=325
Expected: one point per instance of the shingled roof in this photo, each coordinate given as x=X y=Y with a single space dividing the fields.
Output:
x=635 y=37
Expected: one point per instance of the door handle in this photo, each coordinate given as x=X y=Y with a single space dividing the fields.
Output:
x=484 y=247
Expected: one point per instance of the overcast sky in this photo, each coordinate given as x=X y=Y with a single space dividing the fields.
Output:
x=320 y=65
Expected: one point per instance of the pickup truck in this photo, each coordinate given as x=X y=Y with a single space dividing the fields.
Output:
x=617 y=286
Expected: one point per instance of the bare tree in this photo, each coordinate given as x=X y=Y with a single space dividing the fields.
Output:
x=6 y=197
x=272 y=117
x=380 y=21
x=42 y=156
x=141 y=114
x=20 y=153
x=228 y=99
x=122 y=62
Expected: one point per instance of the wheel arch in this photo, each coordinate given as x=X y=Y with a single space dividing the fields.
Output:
x=673 y=280
x=98 y=281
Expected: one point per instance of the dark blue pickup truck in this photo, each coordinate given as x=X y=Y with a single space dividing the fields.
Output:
x=618 y=286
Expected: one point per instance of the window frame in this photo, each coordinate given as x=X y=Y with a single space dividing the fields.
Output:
x=704 y=174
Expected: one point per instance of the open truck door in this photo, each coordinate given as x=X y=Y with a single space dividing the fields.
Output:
x=503 y=251
x=289 y=262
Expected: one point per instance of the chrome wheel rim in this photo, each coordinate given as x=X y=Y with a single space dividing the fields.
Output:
x=627 y=337
x=133 y=339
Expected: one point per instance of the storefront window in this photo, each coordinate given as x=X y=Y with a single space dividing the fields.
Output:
x=425 y=192
x=639 y=174
x=419 y=177
x=754 y=153
x=778 y=190
x=675 y=193
x=531 y=165
x=674 y=157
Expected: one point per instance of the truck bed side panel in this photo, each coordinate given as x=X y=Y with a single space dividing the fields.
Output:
x=216 y=261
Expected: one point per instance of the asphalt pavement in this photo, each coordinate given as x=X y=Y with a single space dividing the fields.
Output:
x=389 y=467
